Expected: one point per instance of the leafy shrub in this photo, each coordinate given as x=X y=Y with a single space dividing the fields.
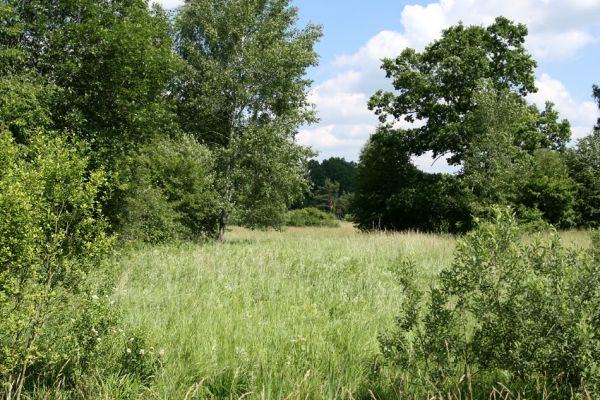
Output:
x=169 y=194
x=56 y=322
x=516 y=318
x=311 y=217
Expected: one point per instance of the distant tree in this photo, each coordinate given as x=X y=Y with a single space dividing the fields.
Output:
x=391 y=193
x=243 y=93
x=437 y=86
x=584 y=168
x=335 y=169
x=327 y=196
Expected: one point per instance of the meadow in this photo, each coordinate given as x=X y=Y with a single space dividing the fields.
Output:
x=292 y=314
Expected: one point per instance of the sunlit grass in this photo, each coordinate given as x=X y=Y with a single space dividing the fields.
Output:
x=293 y=314
x=290 y=313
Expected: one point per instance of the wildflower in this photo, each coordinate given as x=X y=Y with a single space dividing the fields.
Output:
x=94 y=297
x=128 y=351
x=142 y=351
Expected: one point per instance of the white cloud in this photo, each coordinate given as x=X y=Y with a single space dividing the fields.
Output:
x=168 y=4
x=384 y=44
x=558 y=30
x=581 y=114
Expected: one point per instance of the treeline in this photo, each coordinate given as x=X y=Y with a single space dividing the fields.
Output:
x=331 y=186
x=120 y=118
x=465 y=96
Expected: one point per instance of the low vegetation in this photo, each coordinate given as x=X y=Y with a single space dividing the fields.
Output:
x=132 y=139
x=311 y=217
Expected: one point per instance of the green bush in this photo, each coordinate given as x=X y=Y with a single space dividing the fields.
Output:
x=511 y=318
x=57 y=323
x=311 y=217
x=169 y=193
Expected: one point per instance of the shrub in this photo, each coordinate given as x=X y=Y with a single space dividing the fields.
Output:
x=517 y=318
x=311 y=217
x=56 y=322
x=169 y=193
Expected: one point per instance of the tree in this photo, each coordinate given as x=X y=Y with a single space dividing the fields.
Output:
x=584 y=168
x=328 y=195
x=243 y=94
x=391 y=193
x=170 y=194
x=437 y=86
x=334 y=168
x=52 y=236
x=110 y=61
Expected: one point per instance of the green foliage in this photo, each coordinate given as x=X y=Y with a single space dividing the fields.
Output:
x=335 y=169
x=584 y=168
x=596 y=94
x=112 y=61
x=514 y=317
x=170 y=192
x=437 y=86
x=243 y=93
x=267 y=176
x=25 y=105
x=391 y=193
x=514 y=161
x=327 y=196
x=311 y=217
x=513 y=155
x=53 y=324
x=547 y=187
x=332 y=185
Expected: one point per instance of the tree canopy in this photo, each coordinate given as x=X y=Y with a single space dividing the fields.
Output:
x=465 y=97
x=436 y=87
x=243 y=94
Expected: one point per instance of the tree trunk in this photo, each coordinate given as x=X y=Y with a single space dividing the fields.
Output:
x=222 y=224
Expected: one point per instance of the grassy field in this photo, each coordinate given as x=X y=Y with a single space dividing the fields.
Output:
x=292 y=314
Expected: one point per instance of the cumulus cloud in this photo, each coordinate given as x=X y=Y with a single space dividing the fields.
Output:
x=558 y=30
x=581 y=114
x=168 y=4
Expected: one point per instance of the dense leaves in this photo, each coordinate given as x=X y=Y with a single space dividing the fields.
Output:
x=391 y=193
x=243 y=94
x=511 y=317
x=465 y=97
x=437 y=86
x=52 y=241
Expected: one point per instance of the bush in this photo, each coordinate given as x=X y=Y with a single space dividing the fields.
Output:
x=311 y=217
x=512 y=318
x=169 y=193
x=56 y=322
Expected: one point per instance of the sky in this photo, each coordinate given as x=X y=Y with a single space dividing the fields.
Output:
x=564 y=38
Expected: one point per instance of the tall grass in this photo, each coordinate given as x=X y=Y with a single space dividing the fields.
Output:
x=271 y=314
x=293 y=314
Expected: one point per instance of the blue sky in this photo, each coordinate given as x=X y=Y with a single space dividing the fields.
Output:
x=564 y=39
